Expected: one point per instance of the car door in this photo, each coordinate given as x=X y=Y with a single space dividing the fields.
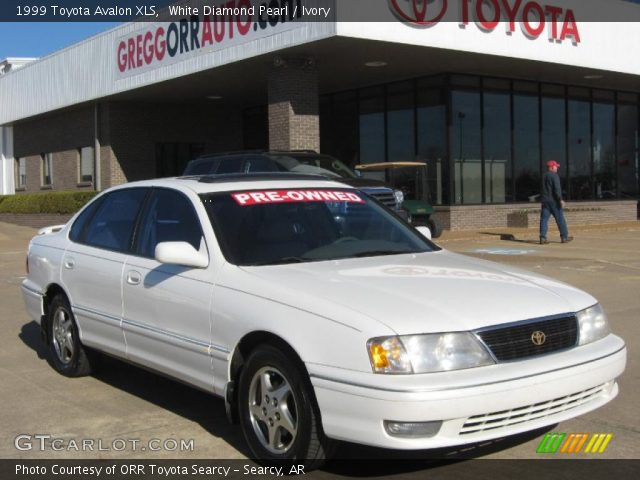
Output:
x=167 y=308
x=100 y=241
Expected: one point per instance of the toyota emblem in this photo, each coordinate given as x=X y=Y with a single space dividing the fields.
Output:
x=422 y=13
x=538 y=338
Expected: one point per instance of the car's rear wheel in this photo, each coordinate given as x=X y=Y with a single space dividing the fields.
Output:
x=278 y=412
x=67 y=353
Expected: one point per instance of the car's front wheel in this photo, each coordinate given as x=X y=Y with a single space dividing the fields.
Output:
x=278 y=412
x=67 y=353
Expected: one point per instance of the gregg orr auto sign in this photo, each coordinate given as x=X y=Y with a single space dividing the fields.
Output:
x=532 y=17
x=204 y=28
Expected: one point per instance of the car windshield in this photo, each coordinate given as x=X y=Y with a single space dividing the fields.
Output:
x=268 y=227
x=314 y=164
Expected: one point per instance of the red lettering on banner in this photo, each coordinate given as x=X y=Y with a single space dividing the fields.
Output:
x=526 y=19
x=532 y=16
x=160 y=44
x=207 y=34
x=138 y=50
x=554 y=13
x=465 y=12
x=484 y=23
x=511 y=13
x=131 y=48
x=287 y=196
x=570 y=28
x=148 y=48
x=122 y=59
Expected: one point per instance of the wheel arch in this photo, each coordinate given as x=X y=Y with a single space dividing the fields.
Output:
x=50 y=292
x=241 y=352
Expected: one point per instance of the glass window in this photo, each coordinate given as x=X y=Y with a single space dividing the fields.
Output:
x=344 y=127
x=231 y=164
x=77 y=229
x=466 y=147
x=526 y=147
x=112 y=225
x=21 y=172
x=372 y=135
x=87 y=162
x=47 y=169
x=604 y=164
x=580 y=150
x=432 y=142
x=169 y=217
x=400 y=122
x=628 y=151
x=554 y=135
x=497 y=147
x=311 y=226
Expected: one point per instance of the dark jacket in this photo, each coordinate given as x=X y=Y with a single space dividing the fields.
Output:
x=551 y=189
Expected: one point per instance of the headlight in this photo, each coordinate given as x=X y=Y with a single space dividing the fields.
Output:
x=427 y=353
x=399 y=194
x=592 y=324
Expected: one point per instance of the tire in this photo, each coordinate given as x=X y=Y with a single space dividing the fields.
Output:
x=68 y=356
x=283 y=423
x=436 y=229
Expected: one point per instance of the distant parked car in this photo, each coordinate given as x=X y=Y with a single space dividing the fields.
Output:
x=298 y=161
x=317 y=315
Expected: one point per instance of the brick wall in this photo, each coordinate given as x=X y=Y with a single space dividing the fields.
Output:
x=294 y=121
x=526 y=215
x=136 y=128
x=128 y=134
x=62 y=134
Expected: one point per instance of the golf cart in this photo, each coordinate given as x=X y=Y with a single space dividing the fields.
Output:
x=411 y=178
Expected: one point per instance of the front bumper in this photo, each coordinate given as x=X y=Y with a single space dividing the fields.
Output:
x=474 y=405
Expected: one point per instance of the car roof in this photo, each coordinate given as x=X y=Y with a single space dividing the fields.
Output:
x=226 y=183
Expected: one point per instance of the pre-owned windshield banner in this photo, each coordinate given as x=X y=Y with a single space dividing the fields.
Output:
x=285 y=196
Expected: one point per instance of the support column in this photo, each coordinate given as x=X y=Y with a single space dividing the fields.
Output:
x=7 y=184
x=294 y=122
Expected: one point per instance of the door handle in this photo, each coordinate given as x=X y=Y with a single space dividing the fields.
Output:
x=69 y=263
x=133 y=277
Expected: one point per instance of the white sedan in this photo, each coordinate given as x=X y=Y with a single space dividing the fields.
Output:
x=317 y=314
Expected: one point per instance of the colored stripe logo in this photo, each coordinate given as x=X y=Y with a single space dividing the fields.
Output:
x=574 y=443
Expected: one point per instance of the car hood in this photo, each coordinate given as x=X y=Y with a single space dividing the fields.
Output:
x=416 y=293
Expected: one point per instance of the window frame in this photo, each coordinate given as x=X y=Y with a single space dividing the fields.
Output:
x=143 y=214
x=81 y=180
x=46 y=163
x=82 y=237
x=20 y=162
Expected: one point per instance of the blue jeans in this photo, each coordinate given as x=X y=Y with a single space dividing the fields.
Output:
x=549 y=209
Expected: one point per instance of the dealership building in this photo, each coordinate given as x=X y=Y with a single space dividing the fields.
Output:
x=482 y=91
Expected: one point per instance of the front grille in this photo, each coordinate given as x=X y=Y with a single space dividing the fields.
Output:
x=387 y=198
x=516 y=341
x=506 y=418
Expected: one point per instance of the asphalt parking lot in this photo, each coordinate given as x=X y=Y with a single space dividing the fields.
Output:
x=124 y=402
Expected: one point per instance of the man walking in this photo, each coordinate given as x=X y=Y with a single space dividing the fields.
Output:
x=552 y=204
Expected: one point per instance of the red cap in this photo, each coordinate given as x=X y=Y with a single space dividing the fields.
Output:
x=552 y=163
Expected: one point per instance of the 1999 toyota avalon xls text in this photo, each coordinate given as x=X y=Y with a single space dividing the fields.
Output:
x=317 y=314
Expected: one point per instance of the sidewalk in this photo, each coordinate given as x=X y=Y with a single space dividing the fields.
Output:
x=532 y=234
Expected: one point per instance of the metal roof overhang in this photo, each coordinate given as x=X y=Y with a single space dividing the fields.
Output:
x=341 y=66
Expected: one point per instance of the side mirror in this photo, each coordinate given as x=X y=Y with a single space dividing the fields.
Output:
x=425 y=231
x=181 y=253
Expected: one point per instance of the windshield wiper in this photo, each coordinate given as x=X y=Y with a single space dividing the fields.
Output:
x=378 y=253
x=281 y=261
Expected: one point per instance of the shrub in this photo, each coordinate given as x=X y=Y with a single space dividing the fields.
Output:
x=49 y=202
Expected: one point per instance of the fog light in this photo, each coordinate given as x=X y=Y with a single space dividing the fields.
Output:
x=412 y=429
